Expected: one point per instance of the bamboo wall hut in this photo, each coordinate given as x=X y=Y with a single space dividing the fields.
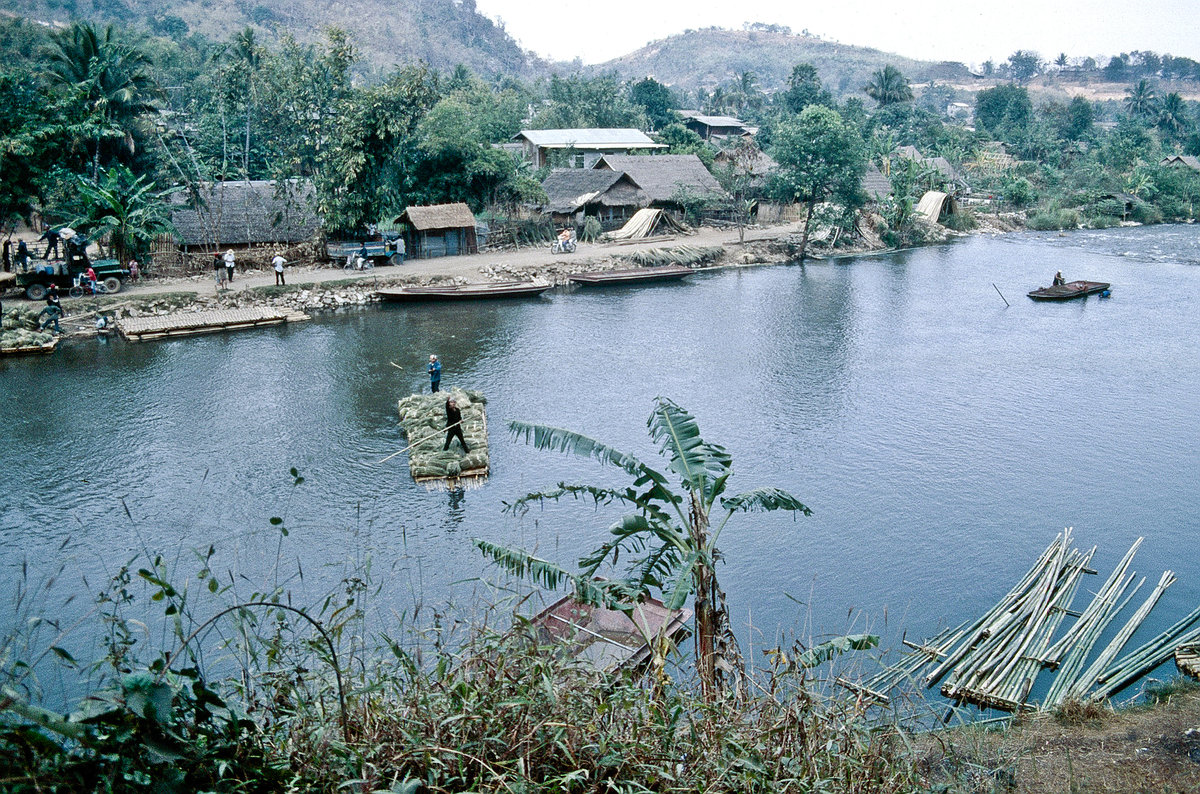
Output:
x=439 y=230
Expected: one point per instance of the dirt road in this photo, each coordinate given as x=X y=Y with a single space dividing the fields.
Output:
x=466 y=266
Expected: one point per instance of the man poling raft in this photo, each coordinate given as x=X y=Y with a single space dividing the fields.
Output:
x=424 y=420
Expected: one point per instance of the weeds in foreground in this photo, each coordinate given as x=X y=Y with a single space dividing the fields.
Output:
x=242 y=694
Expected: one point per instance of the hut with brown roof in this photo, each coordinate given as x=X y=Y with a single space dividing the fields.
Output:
x=438 y=230
x=242 y=214
x=664 y=177
x=875 y=184
x=572 y=194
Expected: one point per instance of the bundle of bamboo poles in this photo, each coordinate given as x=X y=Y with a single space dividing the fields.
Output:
x=995 y=660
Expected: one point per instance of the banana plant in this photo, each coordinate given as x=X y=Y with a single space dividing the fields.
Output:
x=669 y=535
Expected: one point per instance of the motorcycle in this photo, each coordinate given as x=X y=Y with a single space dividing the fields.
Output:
x=563 y=246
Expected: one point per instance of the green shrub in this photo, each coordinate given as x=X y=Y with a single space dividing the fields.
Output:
x=961 y=221
x=1146 y=213
x=1049 y=219
x=1094 y=221
x=591 y=229
x=1019 y=192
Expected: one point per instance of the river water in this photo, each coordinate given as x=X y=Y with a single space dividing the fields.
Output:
x=941 y=437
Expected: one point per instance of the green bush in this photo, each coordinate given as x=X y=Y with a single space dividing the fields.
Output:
x=961 y=221
x=1019 y=192
x=591 y=229
x=1146 y=213
x=1049 y=219
x=1096 y=221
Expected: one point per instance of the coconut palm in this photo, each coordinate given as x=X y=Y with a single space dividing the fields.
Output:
x=109 y=79
x=669 y=536
x=888 y=86
x=247 y=55
x=1141 y=100
x=1172 y=114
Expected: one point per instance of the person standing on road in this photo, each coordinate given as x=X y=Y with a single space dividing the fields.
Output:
x=435 y=374
x=23 y=255
x=134 y=270
x=454 y=426
x=229 y=265
x=218 y=271
x=278 y=262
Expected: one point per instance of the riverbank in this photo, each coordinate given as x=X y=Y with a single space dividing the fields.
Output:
x=316 y=287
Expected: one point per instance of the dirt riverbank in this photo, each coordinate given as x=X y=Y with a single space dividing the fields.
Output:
x=316 y=286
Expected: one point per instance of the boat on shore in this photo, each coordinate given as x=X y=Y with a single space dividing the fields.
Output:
x=498 y=289
x=609 y=639
x=1069 y=291
x=634 y=275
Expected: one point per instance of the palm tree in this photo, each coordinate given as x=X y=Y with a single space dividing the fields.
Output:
x=669 y=536
x=109 y=79
x=888 y=86
x=1172 y=114
x=1141 y=100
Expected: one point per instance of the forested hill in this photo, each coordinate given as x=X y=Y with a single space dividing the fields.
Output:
x=443 y=33
x=709 y=57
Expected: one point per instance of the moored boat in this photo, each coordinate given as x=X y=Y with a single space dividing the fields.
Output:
x=1069 y=291
x=633 y=275
x=499 y=289
x=609 y=639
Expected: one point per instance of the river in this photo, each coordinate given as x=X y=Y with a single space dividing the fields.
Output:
x=941 y=437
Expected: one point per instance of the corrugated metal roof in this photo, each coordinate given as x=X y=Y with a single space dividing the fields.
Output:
x=720 y=121
x=589 y=139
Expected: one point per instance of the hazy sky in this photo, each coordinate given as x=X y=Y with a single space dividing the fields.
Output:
x=931 y=30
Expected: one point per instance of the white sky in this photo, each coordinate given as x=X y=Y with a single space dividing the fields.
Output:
x=950 y=30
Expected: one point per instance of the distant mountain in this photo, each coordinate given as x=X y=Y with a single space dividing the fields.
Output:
x=443 y=33
x=706 y=58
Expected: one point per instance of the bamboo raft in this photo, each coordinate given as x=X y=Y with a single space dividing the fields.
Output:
x=423 y=419
x=995 y=660
x=140 y=329
x=30 y=350
x=1187 y=660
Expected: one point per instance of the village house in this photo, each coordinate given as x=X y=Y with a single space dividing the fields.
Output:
x=243 y=214
x=438 y=230
x=1181 y=161
x=667 y=179
x=581 y=148
x=572 y=194
x=709 y=127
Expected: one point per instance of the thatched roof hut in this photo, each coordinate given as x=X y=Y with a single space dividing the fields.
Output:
x=875 y=184
x=439 y=230
x=612 y=196
x=243 y=213
x=663 y=176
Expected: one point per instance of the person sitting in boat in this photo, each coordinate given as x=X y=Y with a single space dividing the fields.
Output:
x=1058 y=279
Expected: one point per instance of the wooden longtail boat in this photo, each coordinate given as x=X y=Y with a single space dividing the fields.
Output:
x=633 y=275
x=608 y=639
x=500 y=289
x=1069 y=291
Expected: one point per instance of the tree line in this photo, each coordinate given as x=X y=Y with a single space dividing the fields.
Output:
x=130 y=116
